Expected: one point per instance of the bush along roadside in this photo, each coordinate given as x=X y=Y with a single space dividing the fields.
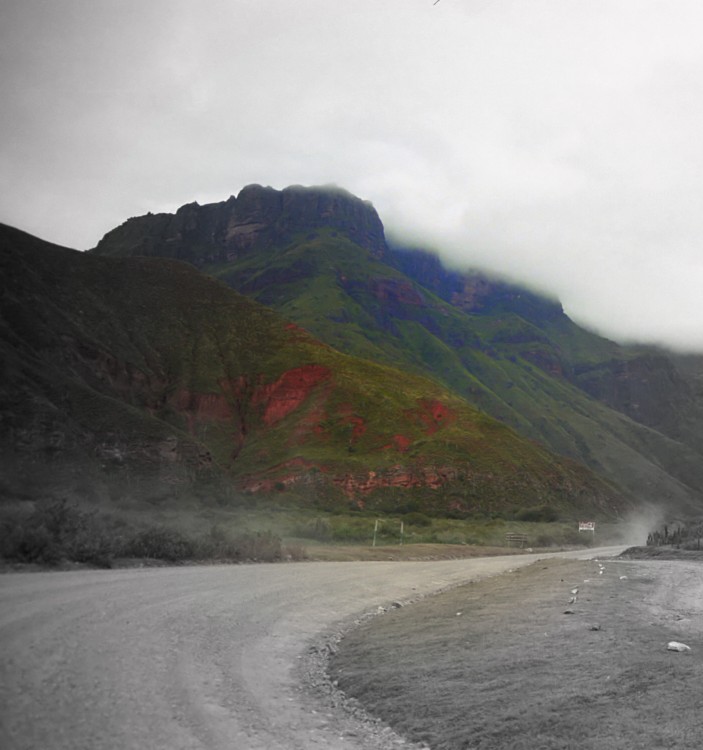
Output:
x=58 y=532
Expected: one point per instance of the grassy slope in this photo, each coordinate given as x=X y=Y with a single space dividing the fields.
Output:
x=158 y=370
x=498 y=361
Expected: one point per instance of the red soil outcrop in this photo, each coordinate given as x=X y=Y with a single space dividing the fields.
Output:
x=288 y=473
x=401 y=443
x=404 y=477
x=278 y=399
x=287 y=393
x=433 y=415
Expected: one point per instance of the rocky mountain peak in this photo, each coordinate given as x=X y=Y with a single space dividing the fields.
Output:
x=258 y=216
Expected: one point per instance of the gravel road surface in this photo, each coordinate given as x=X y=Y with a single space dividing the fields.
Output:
x=191 y=657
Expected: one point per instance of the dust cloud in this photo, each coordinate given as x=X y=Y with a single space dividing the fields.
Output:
x=636 y=527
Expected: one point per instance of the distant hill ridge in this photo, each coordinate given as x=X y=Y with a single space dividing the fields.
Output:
x=319 y=257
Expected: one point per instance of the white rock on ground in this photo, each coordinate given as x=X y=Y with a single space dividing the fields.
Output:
x=676 y=646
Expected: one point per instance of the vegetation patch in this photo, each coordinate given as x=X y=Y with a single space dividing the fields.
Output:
x=58 y=532
x=152 y=375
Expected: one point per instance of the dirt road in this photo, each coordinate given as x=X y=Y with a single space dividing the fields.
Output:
x=189 y=658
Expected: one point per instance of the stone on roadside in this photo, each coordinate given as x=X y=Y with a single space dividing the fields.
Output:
x=676 y=646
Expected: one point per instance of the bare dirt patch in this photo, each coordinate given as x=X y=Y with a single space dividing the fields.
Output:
x=500 y=664
x=350 y=553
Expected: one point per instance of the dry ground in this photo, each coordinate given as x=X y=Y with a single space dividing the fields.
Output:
x=498 y=664
x=350 y=553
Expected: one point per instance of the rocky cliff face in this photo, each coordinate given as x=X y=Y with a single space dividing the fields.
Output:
x=256 y=218
x=472 y=291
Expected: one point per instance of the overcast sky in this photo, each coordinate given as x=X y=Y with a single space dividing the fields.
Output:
x=559 y=142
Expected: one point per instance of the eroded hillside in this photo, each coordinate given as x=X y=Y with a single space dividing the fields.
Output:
x=142 y=376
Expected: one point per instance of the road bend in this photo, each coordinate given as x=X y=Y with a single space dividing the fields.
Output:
x=190 y=658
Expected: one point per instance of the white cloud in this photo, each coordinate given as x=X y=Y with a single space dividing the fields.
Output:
x=556 y=141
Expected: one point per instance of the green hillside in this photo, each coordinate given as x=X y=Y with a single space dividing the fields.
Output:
x=142 y=377
x=630 y=414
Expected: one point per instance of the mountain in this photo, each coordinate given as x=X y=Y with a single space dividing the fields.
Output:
x=319 y=257
x=143 y=380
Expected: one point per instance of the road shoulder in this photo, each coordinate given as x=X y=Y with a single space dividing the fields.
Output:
x=562 y=654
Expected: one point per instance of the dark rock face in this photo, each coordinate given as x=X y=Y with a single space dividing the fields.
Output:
x=472 y=292
x=647 y=388
x=257 y=217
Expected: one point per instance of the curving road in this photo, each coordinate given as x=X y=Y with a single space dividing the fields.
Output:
x=189 y=658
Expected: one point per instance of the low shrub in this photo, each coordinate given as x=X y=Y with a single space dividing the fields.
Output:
x=319 y=529
x=295 y=552
x=450 y=537
x=160 y=543
x=417 y=519
x=545 y=540
x=354 y=531
x=33 y=544
x=56 y=531
x=261 y=547
x=221 y=544
x=539 y=514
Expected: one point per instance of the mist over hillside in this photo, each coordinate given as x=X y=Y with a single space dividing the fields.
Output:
x=320 y=258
